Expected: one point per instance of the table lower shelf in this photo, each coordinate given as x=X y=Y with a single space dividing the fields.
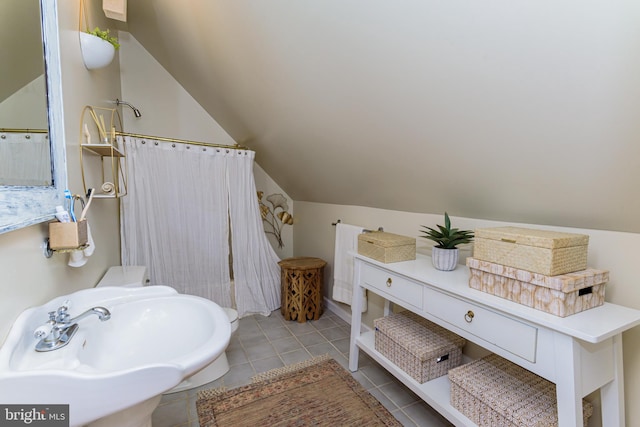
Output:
x=436 y=393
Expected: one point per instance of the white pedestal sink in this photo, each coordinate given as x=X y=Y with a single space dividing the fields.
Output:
x=154 y=339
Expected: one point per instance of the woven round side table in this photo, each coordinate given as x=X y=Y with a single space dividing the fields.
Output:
x=301 y=288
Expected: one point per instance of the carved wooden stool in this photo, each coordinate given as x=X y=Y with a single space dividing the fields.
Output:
x=301 y=288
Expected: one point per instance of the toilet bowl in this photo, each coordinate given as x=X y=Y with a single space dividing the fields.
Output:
x=136 y=276
x=132 y=276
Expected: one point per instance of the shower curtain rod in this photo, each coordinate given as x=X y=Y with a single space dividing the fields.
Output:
x=182 y=141
x=7 y=130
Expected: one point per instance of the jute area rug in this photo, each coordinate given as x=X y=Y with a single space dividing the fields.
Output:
x=318 y=392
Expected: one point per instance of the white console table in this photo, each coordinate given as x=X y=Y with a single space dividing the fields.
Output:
x=580 y=353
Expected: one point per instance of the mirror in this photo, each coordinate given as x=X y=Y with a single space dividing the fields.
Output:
x=24 y=134
x=27 y=201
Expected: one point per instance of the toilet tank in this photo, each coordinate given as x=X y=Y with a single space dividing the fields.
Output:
x=131 y=276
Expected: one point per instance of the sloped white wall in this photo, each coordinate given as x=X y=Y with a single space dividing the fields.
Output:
x=515 y=111
x=167 y=109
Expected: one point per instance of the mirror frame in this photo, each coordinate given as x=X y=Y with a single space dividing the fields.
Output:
x=22 y=206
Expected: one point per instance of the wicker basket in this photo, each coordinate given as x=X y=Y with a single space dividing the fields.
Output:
x=561 y=295
x=387 y=247
x=495 y=392
x=419 y=347
x=539 y=251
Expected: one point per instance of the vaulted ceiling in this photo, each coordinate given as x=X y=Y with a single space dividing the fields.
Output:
x=517 y=111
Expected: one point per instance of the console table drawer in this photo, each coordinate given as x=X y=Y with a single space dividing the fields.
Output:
x=505 y=332
x=389 y=284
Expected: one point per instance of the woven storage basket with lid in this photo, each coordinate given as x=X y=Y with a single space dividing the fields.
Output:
x=493 y=391
x=419 y=347
x=561 y=295
x=387 y=247
x=538 y=251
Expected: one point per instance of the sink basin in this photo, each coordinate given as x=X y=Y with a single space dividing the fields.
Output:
x=154 y=339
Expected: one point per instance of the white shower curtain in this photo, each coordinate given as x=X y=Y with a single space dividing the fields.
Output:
x=255 y=263
x=175 y=220
x=25 y=158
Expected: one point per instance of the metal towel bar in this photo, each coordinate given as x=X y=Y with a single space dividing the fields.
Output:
x=364 y=231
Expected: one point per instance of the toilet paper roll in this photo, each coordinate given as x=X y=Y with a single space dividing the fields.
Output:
x=108 y=188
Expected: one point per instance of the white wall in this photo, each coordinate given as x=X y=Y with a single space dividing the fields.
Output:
x=28 y=278
x=613 y=251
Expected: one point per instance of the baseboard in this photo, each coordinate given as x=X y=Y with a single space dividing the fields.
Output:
x=342 y=313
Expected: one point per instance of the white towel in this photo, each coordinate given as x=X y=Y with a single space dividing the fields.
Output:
x=346 y=240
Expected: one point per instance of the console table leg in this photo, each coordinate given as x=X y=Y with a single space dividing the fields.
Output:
x=568 y=382
x=388 y=308
x=612 y=393
x=356 y=323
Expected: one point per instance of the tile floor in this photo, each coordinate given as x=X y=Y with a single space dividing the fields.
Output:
x=263 y=343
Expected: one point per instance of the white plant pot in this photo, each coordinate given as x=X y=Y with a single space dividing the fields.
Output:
x=444 y=259
x=96 y=52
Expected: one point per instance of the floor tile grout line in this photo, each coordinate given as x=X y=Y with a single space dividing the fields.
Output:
x=295 y=336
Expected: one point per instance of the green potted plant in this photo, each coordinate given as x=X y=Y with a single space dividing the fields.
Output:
x=106 y=36
x=445 y=253
x=98 y=47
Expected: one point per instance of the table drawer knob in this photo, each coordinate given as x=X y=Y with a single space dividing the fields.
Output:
x=389 y=282
x=469 y=316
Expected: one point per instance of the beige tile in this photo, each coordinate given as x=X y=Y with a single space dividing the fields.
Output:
x=285 y=345
x=424 y=415
x=171 y=413
x=264 y=365
x=312 y=338
x=295 y=356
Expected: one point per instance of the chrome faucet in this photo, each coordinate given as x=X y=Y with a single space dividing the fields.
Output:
x=60 y=327
x=102 y=313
